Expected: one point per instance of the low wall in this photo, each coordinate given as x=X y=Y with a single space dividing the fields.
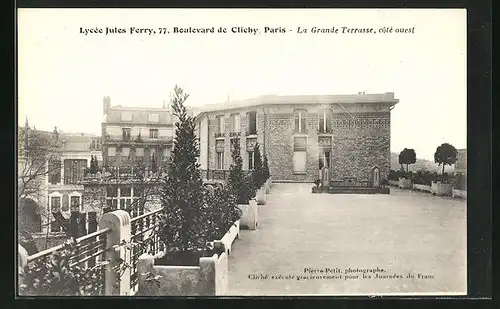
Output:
x=209 y=278
x=423 y=188
x=459 y=193
x=260 y=197
x=226 y=242
x=394 y=183
x=442 y=189
x=404 y=183
x=249 y=216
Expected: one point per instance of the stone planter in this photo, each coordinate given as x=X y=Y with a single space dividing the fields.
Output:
x=208 y=278
x=249 y=216
x=441 y=189
x=404 y=183
x=393 y=183
x=260 y=197
x=225 y=243
x=422 y=188
x=455 y=193
x=267 y=185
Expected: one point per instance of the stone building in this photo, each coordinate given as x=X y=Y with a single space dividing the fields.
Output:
x=136 y=143
x=350 y=134
x=134 y=135
x=50 y=167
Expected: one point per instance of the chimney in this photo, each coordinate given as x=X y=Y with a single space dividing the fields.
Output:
x=106 y=104
x=55 y=134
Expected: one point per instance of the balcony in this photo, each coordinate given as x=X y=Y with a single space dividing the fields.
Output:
x=220 y=135
x=122 y=174
x=235 y=134
x=251 y=133
x=139 y=141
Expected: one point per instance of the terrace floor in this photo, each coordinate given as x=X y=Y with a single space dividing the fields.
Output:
x=402 y=233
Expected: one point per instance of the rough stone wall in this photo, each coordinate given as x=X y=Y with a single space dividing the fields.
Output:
x=360 y=144
x=357 y=145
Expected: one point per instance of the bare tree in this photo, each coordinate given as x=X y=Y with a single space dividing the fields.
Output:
x=38 y=157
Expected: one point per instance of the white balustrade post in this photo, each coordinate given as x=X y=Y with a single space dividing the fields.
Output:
x=22 y=261
x=117 y=282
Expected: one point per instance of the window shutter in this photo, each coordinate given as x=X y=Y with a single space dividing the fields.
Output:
x=65 y=203
x=303 y=122
x=297 y=122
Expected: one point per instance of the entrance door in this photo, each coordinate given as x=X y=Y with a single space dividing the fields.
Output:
x=376 y=177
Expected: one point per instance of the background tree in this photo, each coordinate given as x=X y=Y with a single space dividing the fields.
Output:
x=182 y=225
x=154 y=167
x=258 y=176
x=407 y=156
x=265 y=168
x=236 y=180
x=445 y=154
x=38 y=158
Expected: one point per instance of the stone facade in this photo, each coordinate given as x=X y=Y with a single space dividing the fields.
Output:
x=357 y=135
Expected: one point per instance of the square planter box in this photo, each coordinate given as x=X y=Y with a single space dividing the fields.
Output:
x=208 y=278
x=249 y=216
x=404 y=183
x=459 y=193
x=260 y=196
x=442 y=189
x=423 y=188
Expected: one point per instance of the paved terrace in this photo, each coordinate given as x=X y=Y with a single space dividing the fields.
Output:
x=404 y=232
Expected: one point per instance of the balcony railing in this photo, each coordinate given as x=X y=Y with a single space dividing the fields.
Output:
x=90 y=250
x=219 y=175
x=234 y=134
x=220 y=135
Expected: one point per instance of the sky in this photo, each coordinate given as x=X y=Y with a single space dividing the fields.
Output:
x=63 y=74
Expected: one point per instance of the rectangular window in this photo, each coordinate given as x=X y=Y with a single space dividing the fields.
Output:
x=300 y=121
x=55 y=226
x=250 y=160
x=324 y=159
x=111 y=151
x=55 y=204
x=220 y=160
x=75 y=203
x=126 y=191
x=126 y=134
x=74 y=170
x=139 y=152
x=155 y=118
x=153 y=133
x=54 y=172
x=126 y=116
x=125 y=154
x=220 y=124
x=236 y=122
x=138 y=192
x=252 y=123
x=112 y=192
x=166 y=154
x=299 y=161
x=324 y=121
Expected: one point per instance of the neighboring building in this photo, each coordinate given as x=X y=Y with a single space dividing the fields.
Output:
x=461 y=164
x=132 y=139
x=50 y=190
x=133 y=135
x=66 y=174
x=350 y=134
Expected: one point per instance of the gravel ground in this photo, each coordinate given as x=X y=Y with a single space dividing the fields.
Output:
x=382 y=238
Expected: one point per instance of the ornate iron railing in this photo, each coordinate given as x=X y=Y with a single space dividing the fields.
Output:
x=144 y=240
x=220 y=175
x=90 y=250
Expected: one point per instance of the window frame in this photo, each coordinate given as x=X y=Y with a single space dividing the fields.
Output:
x=296 y=171
x=220 y=160
x=249 y=123
x=151 y=135
x=300 y=126
x=80 y=203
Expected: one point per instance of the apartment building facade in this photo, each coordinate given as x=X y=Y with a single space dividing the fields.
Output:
x=349 y=134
